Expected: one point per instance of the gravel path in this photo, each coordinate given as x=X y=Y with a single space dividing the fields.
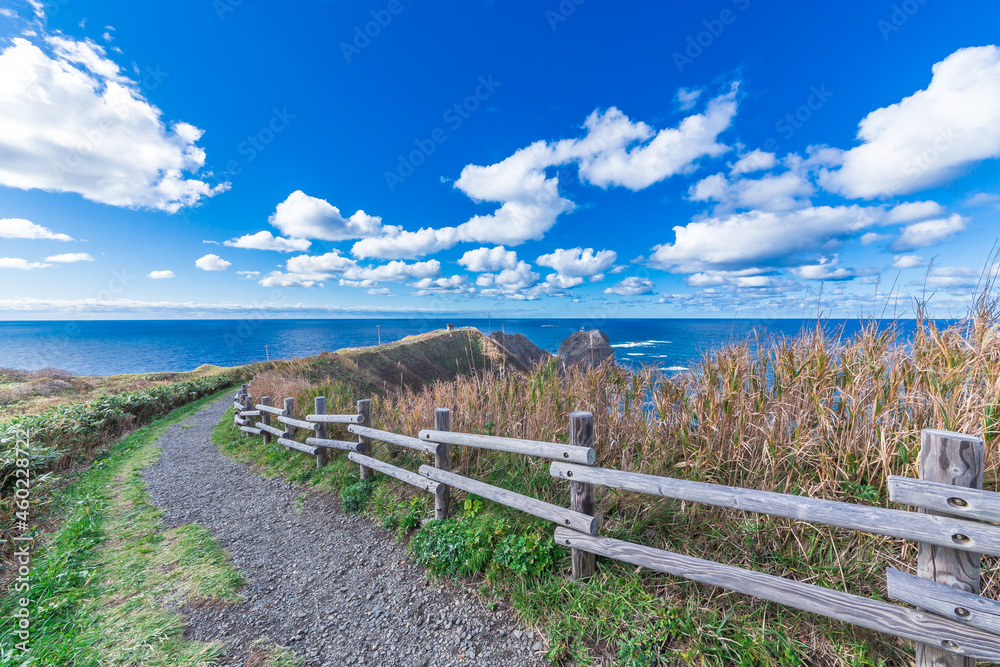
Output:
x=332 y=587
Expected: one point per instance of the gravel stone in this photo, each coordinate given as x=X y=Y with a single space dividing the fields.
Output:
x=331 y=587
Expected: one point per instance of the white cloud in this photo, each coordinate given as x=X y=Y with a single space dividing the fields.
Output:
x=931 y=136
x=248 y=275
x=773 y=193
x=907 y=261
x=267 y=241
x=395 y=271
x=71 y=122
x=755 y=160
x=21 y=264
x=519 y=278
x=826 y=269
x=929 y=232
x=327 y=264
x=686 y=98
x=485 y=260
x=631 y=286
x=312 y=270
x=615 y=151
x=761 y=238
x=305 y=217
x=949 y=277
x=450 y=285
x=70 y=258
x=19 y=228
x=578 y=262
x=869 y=238
x=380 y=291
x=212 y=262
x=160 y=275
x=749 y=278
x=913 y=210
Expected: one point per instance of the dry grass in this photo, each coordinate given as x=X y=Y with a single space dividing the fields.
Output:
x=817 y=414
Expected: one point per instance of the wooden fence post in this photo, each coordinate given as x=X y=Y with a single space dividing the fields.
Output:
x=319 y=408
x=956 y=459
x=265 y=417
x=581 y=494
x=289 y=412
x=442 y=461
x=365 y=410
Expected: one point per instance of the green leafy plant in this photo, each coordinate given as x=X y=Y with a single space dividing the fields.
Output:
x=354 y=498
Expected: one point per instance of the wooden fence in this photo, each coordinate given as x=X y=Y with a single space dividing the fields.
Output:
x=952 y=624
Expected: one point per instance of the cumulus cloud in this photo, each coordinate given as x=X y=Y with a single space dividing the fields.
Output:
x=70 y=121
x=515 y=279
x=826 y=269
x=304 y=217
x=267 y=241
x=755 y=160
x=913 y=210
x=212 y=262
x=485 y=260
x=949 y=277
x=19 y=228
x=20 y=264
x=573 y=265
x=928 y=232
x=929 y=137
x=776 y=192
x=907 y=261
x=614 y=151
x=312 y=270
x=160 y=275
x=755 y=239
x=70 y=258
x=631 y=286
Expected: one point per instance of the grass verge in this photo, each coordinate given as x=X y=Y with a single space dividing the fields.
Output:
x=103 y=588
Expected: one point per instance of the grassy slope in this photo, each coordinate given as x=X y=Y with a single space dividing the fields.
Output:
x=104 y=583
x=23 y=393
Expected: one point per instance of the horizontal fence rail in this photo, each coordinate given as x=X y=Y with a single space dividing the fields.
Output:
x=545 y=450
x=942 y=531
x=345 y=445
x=527 y=504
x=402 y=475
x=298 y=423
x=335 y=419
x=294 y=444
x=872 y=614
x=954 y=603
x=269 y=409
x=401 y=440
x=961 y=501
x=269 y=429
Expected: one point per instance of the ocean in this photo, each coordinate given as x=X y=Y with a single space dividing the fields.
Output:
x=103 y=347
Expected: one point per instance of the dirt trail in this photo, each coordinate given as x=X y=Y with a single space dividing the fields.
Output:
x=332 y=587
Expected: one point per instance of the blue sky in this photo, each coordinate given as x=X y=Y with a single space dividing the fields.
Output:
x=549 y=159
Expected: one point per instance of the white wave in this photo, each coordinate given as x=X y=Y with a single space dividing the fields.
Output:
x=675 y=368
x=643 y=343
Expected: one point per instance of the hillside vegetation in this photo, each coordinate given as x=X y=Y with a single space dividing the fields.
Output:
x=816 y=414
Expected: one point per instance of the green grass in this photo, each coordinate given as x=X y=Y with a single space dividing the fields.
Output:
x=105 y=584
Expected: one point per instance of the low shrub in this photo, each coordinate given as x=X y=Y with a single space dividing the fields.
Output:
x=354 y=498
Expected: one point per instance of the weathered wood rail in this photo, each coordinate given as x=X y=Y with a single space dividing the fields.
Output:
x=952 y=624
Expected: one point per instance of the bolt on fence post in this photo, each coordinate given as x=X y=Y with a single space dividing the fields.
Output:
x=265 y=418
x=365 y=410
x=289 y=433
x=956 y=459
x=319 y=408
x=442 y=461
x=581 y=494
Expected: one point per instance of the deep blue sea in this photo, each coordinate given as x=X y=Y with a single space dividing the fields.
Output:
x=99 y=347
